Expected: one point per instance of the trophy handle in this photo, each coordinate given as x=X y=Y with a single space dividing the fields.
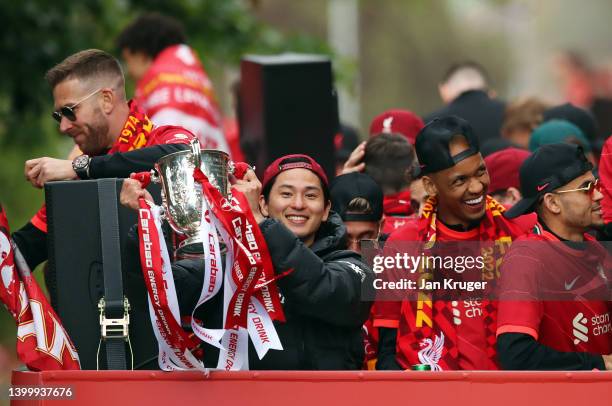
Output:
x=231 y=167
x=196 y=151
x=162 y=213
x=155 y=178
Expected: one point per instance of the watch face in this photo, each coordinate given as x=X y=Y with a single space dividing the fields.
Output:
x=81 y=161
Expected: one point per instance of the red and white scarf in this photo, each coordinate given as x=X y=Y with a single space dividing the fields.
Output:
x=251 y=299
x=176 y=347
x=42 y=342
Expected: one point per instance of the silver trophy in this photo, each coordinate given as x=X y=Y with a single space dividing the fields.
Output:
x=182 y=195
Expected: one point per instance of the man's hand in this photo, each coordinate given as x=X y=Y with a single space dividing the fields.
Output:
x=608 y=361
x=354 y=162
x=250 y=186
x=41 y=170
x=131 y=191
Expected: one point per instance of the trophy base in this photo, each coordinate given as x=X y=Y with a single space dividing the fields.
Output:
x=192 y=248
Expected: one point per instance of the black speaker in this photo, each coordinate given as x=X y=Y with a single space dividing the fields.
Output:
x=287 y=105
x=74 y=276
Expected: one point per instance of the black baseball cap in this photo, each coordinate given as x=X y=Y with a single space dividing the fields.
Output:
x=548 y=168
x=581 y=118
x=353 y=185
x=432 y=143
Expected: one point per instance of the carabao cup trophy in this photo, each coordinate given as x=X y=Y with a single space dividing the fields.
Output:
x=182 y=195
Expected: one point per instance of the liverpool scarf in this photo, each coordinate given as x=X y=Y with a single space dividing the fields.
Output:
x=430 y=328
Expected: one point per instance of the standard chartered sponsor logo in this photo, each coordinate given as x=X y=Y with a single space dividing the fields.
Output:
x=472 y=308
x=601 y=324
x=581 y=330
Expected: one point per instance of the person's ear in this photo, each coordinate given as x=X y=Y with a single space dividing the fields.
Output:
x=430 y=187
x=551 y=203
x=263 y=206
x=108 y=100
x=514 y=194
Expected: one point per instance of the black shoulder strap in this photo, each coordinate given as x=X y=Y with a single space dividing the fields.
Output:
x=113 y=311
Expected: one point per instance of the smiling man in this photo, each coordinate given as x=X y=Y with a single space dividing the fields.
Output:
x=115 y=135
x=295 y=192
x=323 y=294
x=458 y=210
x=554 y=310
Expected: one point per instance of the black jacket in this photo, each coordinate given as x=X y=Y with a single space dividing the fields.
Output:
x=321 y=299
x=484 y=114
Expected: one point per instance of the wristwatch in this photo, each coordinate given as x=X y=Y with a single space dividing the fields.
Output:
x=80 y=165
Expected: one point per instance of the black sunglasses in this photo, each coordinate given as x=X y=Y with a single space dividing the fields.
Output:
x=68 y=111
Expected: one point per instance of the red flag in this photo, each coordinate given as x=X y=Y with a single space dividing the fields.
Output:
x=42 y=342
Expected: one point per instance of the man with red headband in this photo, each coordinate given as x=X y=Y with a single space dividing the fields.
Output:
x=427 y=329
x=115 y=135
x=321 y=295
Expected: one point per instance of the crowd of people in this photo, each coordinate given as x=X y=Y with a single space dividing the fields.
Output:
x=533 y=180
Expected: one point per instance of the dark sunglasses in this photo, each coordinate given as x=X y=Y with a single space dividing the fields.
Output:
x=589 y=188
x=68 y=111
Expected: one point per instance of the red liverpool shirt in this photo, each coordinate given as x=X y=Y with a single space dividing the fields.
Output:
x=557 y=294
x=468 y=316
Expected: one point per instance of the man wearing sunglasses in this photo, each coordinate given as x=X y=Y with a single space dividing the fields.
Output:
x=114 y=135
x=554 y=297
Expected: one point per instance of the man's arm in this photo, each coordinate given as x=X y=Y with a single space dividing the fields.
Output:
x=387 y=344
x=518 y=351
x=32 y=243
x=330 y=291
x=122 y=164
x=118 y=165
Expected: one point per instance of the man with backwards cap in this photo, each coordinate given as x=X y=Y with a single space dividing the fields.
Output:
x=458 y=209
x=321 y=295
x=554 y=303
x=358 y=199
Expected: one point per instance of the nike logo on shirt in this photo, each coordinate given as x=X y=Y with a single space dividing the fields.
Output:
x=569 y=286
